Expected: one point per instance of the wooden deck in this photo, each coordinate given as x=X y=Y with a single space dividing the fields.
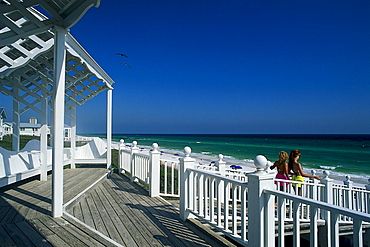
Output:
x=114 y=212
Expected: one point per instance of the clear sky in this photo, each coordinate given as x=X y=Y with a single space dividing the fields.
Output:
x=237 y=66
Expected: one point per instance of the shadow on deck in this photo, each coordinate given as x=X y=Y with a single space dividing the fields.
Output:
x=114 y=212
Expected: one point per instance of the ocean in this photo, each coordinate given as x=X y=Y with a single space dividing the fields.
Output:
x=340 y=154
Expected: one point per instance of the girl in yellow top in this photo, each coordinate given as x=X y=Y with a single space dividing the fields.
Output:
x=296 y=169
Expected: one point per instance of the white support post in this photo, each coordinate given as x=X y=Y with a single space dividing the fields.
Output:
x=120 y=156
x=262 y=232
x=313 y=190
x=185 y=190
x=154 y=171
x=368 y=200
x=16 y=119
x=44 y=132
x=73 y=131
x=348 y=196
x=327 y=196
x=58 y=120
x=221 y=165
x=109 y=128
x=134 y=150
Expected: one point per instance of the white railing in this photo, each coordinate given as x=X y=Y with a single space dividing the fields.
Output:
x=141 y=168
x=332 y=214
x=124 y=161
x=346 y=195
x=170 y=181
x=225 y=202
x=161 y=175
x=223 y=197
x=220 y=200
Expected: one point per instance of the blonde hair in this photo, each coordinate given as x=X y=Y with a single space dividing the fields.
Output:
x=283 y=156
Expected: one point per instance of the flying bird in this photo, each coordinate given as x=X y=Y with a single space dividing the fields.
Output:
x=126 y=64
x=123 y=55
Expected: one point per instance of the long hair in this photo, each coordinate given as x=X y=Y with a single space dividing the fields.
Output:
x=293 y=154
x=283 y=157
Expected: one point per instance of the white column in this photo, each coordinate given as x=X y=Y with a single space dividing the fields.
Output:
x=16 y=119
x=185 y=190
x=73 y=132
x=327 y=196
x=109 y=128
x=134 y=150
x=348 y=192
x=368 y=199
x=58 y=120
x=313 y=190
x=44 y=132
x=262 y=233
x=154 y=171
x=221 y=165
x=120 y=156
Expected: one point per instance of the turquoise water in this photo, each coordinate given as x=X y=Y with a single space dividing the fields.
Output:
x=342 y=154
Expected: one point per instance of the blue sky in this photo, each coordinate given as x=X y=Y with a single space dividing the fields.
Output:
x=230 y=66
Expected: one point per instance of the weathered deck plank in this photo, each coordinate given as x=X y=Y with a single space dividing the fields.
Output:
x=111 y=221
x=5 y=239
x=128 y=227
x=170 y=224
x=132 y=223
x=115 y=207
x=149 y=221
x=32 y=234
x=131 y=205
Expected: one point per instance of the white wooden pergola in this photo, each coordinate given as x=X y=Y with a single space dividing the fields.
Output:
x=44 y=69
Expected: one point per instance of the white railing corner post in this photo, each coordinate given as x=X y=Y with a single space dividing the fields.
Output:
x=262 y=230
x=348 y=195
x=368 y=185
x=327 y=196
x=154 y=172
x=368 y=203
x=134 y=150
x=185 y=190
x=313 y=190
x=120 y=155
x=221 y=166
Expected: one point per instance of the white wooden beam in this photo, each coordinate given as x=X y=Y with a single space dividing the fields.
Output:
x=73 y=132
x=58 y=120
x=109 y=128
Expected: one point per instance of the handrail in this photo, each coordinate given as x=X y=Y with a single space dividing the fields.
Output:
x=319 y=204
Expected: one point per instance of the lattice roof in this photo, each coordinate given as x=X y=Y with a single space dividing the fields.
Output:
x=28 y=62
x=21 y=19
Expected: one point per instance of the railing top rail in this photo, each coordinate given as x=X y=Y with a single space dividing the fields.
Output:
x=217 y=175
x=141 y=155
x=126 y=150
x=322 y=205
x=310 y=183
x=171 y=161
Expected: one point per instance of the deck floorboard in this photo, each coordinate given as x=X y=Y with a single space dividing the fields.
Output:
x=113 y=212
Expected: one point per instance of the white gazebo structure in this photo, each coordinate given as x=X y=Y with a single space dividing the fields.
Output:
x=44 y=69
